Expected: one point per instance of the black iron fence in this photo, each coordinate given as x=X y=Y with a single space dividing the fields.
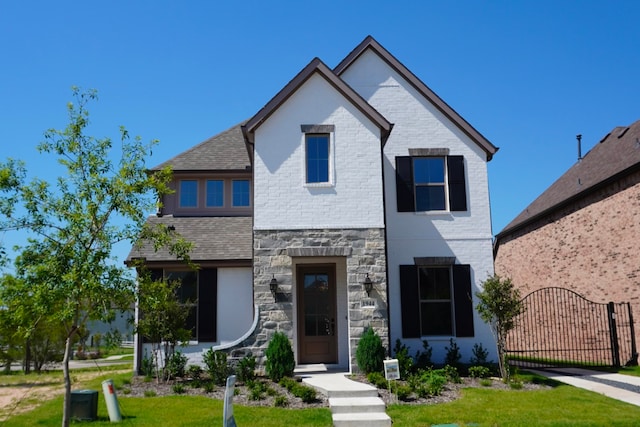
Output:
x=561 y=328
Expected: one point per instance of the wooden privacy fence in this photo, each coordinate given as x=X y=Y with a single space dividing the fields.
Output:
x=559 y=327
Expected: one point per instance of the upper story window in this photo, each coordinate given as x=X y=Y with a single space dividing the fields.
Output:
x=430 y=183
x=188 y=193
x=241 y=192
x=215 y=193
x=317 y=158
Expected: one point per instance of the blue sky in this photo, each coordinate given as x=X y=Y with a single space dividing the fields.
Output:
x=529 y=75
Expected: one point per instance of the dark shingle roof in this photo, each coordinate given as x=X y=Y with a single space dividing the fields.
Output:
x=615 y=156
x=225 y=151
x=215 y=238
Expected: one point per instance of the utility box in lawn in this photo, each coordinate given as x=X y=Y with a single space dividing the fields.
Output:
x=84 y=405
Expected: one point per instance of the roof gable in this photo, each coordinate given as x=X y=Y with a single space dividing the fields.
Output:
x=369 y=43
x=617 y=155
x=225 y=151
x=316 y=66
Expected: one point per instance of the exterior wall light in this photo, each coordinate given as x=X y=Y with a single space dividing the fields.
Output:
x=368 y=285
x=273 y=286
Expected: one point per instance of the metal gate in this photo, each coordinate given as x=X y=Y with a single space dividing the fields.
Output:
x=559 y=327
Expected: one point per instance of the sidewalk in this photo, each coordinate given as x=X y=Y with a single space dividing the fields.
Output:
x=616 y=386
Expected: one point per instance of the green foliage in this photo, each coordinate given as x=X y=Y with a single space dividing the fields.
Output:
x=453 y=354
x=288 y=383
x=370 y=352
x=217 y=366
x=305 y=393
x=427 y=383
x=423 y=358
x=194 y=372
x=246 y=370
x=257 y=390
x=209 y=387
x=175 y=366
x=178 y=388
x=150 y=393
x=405 y=361
x=480 y=355
x=451 y=373
x=479 y=371
x=499 y=305
x=147 y=367
x=403 y=392
x=377 y=379
x=281 y=402
x=280 y=360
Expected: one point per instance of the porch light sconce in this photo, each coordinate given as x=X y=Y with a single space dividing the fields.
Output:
x=273 y=286
x=368 y=285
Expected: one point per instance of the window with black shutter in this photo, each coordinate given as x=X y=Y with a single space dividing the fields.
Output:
x=430 y=183
x=436 y=301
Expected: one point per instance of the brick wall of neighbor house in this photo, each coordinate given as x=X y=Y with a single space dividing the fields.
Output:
x=362 y=251
x=590 y=247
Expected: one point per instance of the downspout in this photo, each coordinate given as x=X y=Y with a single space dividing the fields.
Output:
x=386 y=241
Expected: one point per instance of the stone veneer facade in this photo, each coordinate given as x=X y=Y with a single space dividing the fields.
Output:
x=274 y=252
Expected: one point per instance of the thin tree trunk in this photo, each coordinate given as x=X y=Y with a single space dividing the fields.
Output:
x=66 y=412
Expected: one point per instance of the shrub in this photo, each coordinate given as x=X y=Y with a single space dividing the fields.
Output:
x=288 y=383
x=486 y=382
x=453 y=355
x=480 y=355
x=280 y=361
x=516 y=385
x=451 y=373
x=217 y=367
x=246 y=369
x=178 y=389
x=209 y=387
x=377 y=379
x=175 y=365
x=281 y=402
x=423 y=358
x=427 y=383
x=307 y=394
x=370 y=352
x=149 y=393
x=147 y=368
x=479 y=372
x=194 y=372
x=405 y=362
x=403 y=392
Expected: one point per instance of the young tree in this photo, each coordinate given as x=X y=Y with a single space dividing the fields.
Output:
x=499 y=305
x=76 y=221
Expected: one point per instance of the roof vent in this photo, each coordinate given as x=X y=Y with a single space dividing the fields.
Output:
x=623 y=131
x=579 y=138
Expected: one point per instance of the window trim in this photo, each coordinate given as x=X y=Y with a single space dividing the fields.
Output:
x=233 y=193
x=181 y=192
x=206 y=193
x=319 y=130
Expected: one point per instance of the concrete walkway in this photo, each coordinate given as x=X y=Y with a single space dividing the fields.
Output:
x=352 y=403
x=616 y=386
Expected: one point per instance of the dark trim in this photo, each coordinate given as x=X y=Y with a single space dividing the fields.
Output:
x=201 y=263
x=409 y=301
x=317 y=128
x=405 y=199
x=457 y=184
x=370 y=43
x=463 y=300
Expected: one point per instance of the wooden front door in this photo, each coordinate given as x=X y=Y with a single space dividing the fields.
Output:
x=317 y=338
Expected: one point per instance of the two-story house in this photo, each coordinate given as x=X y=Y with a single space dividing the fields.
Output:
x=355 y=197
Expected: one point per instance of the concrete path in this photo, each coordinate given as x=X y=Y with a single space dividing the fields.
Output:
x=352 y=403
x=616 y=386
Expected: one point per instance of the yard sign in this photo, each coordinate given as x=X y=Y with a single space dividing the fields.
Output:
x=227 y=413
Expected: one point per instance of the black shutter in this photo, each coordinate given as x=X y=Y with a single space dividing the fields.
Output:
x=457 y=184
x=207 y=304
x=410 y=301
x=404 y=184
x=155 y=274
x=463 y=300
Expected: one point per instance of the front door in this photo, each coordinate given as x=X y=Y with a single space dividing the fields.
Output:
x=317 y=314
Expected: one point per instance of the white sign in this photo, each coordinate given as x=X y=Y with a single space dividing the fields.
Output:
x=227 y=412
x=391 y=369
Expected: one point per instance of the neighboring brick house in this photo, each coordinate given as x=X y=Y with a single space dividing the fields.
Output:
x=583 y=232
x=348 y=177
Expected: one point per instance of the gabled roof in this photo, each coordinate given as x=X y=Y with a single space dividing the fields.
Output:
x=370 y=43
x=225 y=151
x=221 y=239
x=617 y=155
x=316 y=66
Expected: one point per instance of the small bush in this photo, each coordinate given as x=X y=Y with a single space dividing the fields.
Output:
x=370 y=352
x=217 y=367
x=256 y=394
x=486 y=382
x=453 y=355
x=516 y=385
x=126 y=381
x=246 y=369
x=480 y=355
x=307 y=394
x=405 y=361
x=377 y=379
x=209 y=387
x=280 y=361
x=281 y=402
x=479 y=372
x=147 y=368
x=423 y=358
x=428 y=383
x=451 y=373
x=194 y=372
x=403 y=392
x=178 y=389
x=150 y=393
x=288 y=383
x=175 y=365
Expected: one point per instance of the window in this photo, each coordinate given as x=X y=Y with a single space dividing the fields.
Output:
x=188 y=193
x=436 y=301
x=241 y=192
x=215 y=193
x=199 y=291
x=430 y=183
x=317 y=158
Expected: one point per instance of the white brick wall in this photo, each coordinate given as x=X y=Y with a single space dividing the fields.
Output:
x=281 y=199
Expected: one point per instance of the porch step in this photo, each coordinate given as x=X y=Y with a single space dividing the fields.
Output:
x=345 y=405
x=378 y=419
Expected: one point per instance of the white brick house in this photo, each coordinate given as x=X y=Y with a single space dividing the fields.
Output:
x=355 y=174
